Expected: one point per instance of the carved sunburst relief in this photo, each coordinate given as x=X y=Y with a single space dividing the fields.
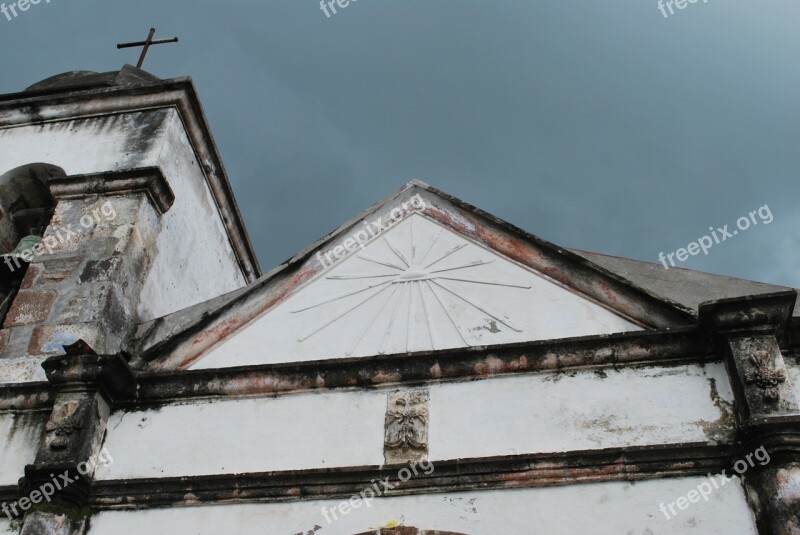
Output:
x=418 y=277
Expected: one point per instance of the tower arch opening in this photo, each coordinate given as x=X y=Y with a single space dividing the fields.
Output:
x=26 y=207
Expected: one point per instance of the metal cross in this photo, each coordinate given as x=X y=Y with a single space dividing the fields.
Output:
x=146 y=44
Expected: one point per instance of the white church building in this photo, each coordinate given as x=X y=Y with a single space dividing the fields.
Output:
x=424 y=369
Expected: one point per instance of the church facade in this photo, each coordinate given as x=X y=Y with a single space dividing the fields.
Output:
x=426 y=368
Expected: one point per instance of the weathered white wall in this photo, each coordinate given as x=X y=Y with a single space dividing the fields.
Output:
x=19 y=434
x=86 y=145
x=248 y=435
x=615 y=508
x=5 y=526
x=195 y=260
x=530 y=414
x=416 y=286
x=590 y=410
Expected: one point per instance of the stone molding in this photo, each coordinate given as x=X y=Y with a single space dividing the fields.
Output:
x=456 y=475
x=148 y=180
x=686 y=345
x=770 y=311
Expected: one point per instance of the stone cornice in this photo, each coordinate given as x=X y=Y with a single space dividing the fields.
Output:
x=124 y=386
x=620 y=350
x=766 y=311
x=506 y=472
x=149 y=180
x=108 y=374
x=31 y=396
x=777 y=434
x=130 y=387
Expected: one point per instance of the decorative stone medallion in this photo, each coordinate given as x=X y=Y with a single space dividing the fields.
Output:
x=64 y=423
x=406 y=427
x=765 y=376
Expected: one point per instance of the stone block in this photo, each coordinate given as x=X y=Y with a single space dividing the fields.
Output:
x=30 y=306
x=51 y=339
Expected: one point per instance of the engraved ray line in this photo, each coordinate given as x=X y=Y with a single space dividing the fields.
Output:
x=433 y=242
x=506 y=322
x=474 y=263
x=428 y=322
x=493 y=283
x=343 y=314
x=368 y=258
x=358 y=276
x=396 y=251
x=401 y=287
x=389 y=327
x=340 y=296
x=372 y=321
x=410 y=314
x=413 y=245
x=448 y=253
x=447 y=313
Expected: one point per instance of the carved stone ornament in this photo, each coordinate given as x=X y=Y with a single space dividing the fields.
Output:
x=406 y=437
x=61 y=428
x=764 y=376
x=59 y=433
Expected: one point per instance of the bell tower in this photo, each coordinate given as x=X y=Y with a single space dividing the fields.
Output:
x=110 y=184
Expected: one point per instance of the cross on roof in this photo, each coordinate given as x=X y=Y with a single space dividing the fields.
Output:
x=146 y=44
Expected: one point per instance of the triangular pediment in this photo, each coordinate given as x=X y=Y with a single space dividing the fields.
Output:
x=420 y=271
x=415 y=287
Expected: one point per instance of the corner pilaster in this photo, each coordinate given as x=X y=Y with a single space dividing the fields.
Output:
x=56 y=489
x=768 y=411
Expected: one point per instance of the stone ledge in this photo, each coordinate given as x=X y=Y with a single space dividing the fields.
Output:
x=505 y=472
x=770 y=311
x=149 y=180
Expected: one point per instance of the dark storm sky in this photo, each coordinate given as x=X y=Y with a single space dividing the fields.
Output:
x=597 y=125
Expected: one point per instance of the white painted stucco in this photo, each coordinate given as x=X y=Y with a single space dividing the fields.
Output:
x=247 y=435
x=19 y=432
x=566 y=412
x=614 y=508
x=80 y=146
x=416 y=286
x=195 y=260
x=499 y=416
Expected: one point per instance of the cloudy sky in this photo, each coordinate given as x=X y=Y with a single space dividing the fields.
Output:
x=602 y=126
